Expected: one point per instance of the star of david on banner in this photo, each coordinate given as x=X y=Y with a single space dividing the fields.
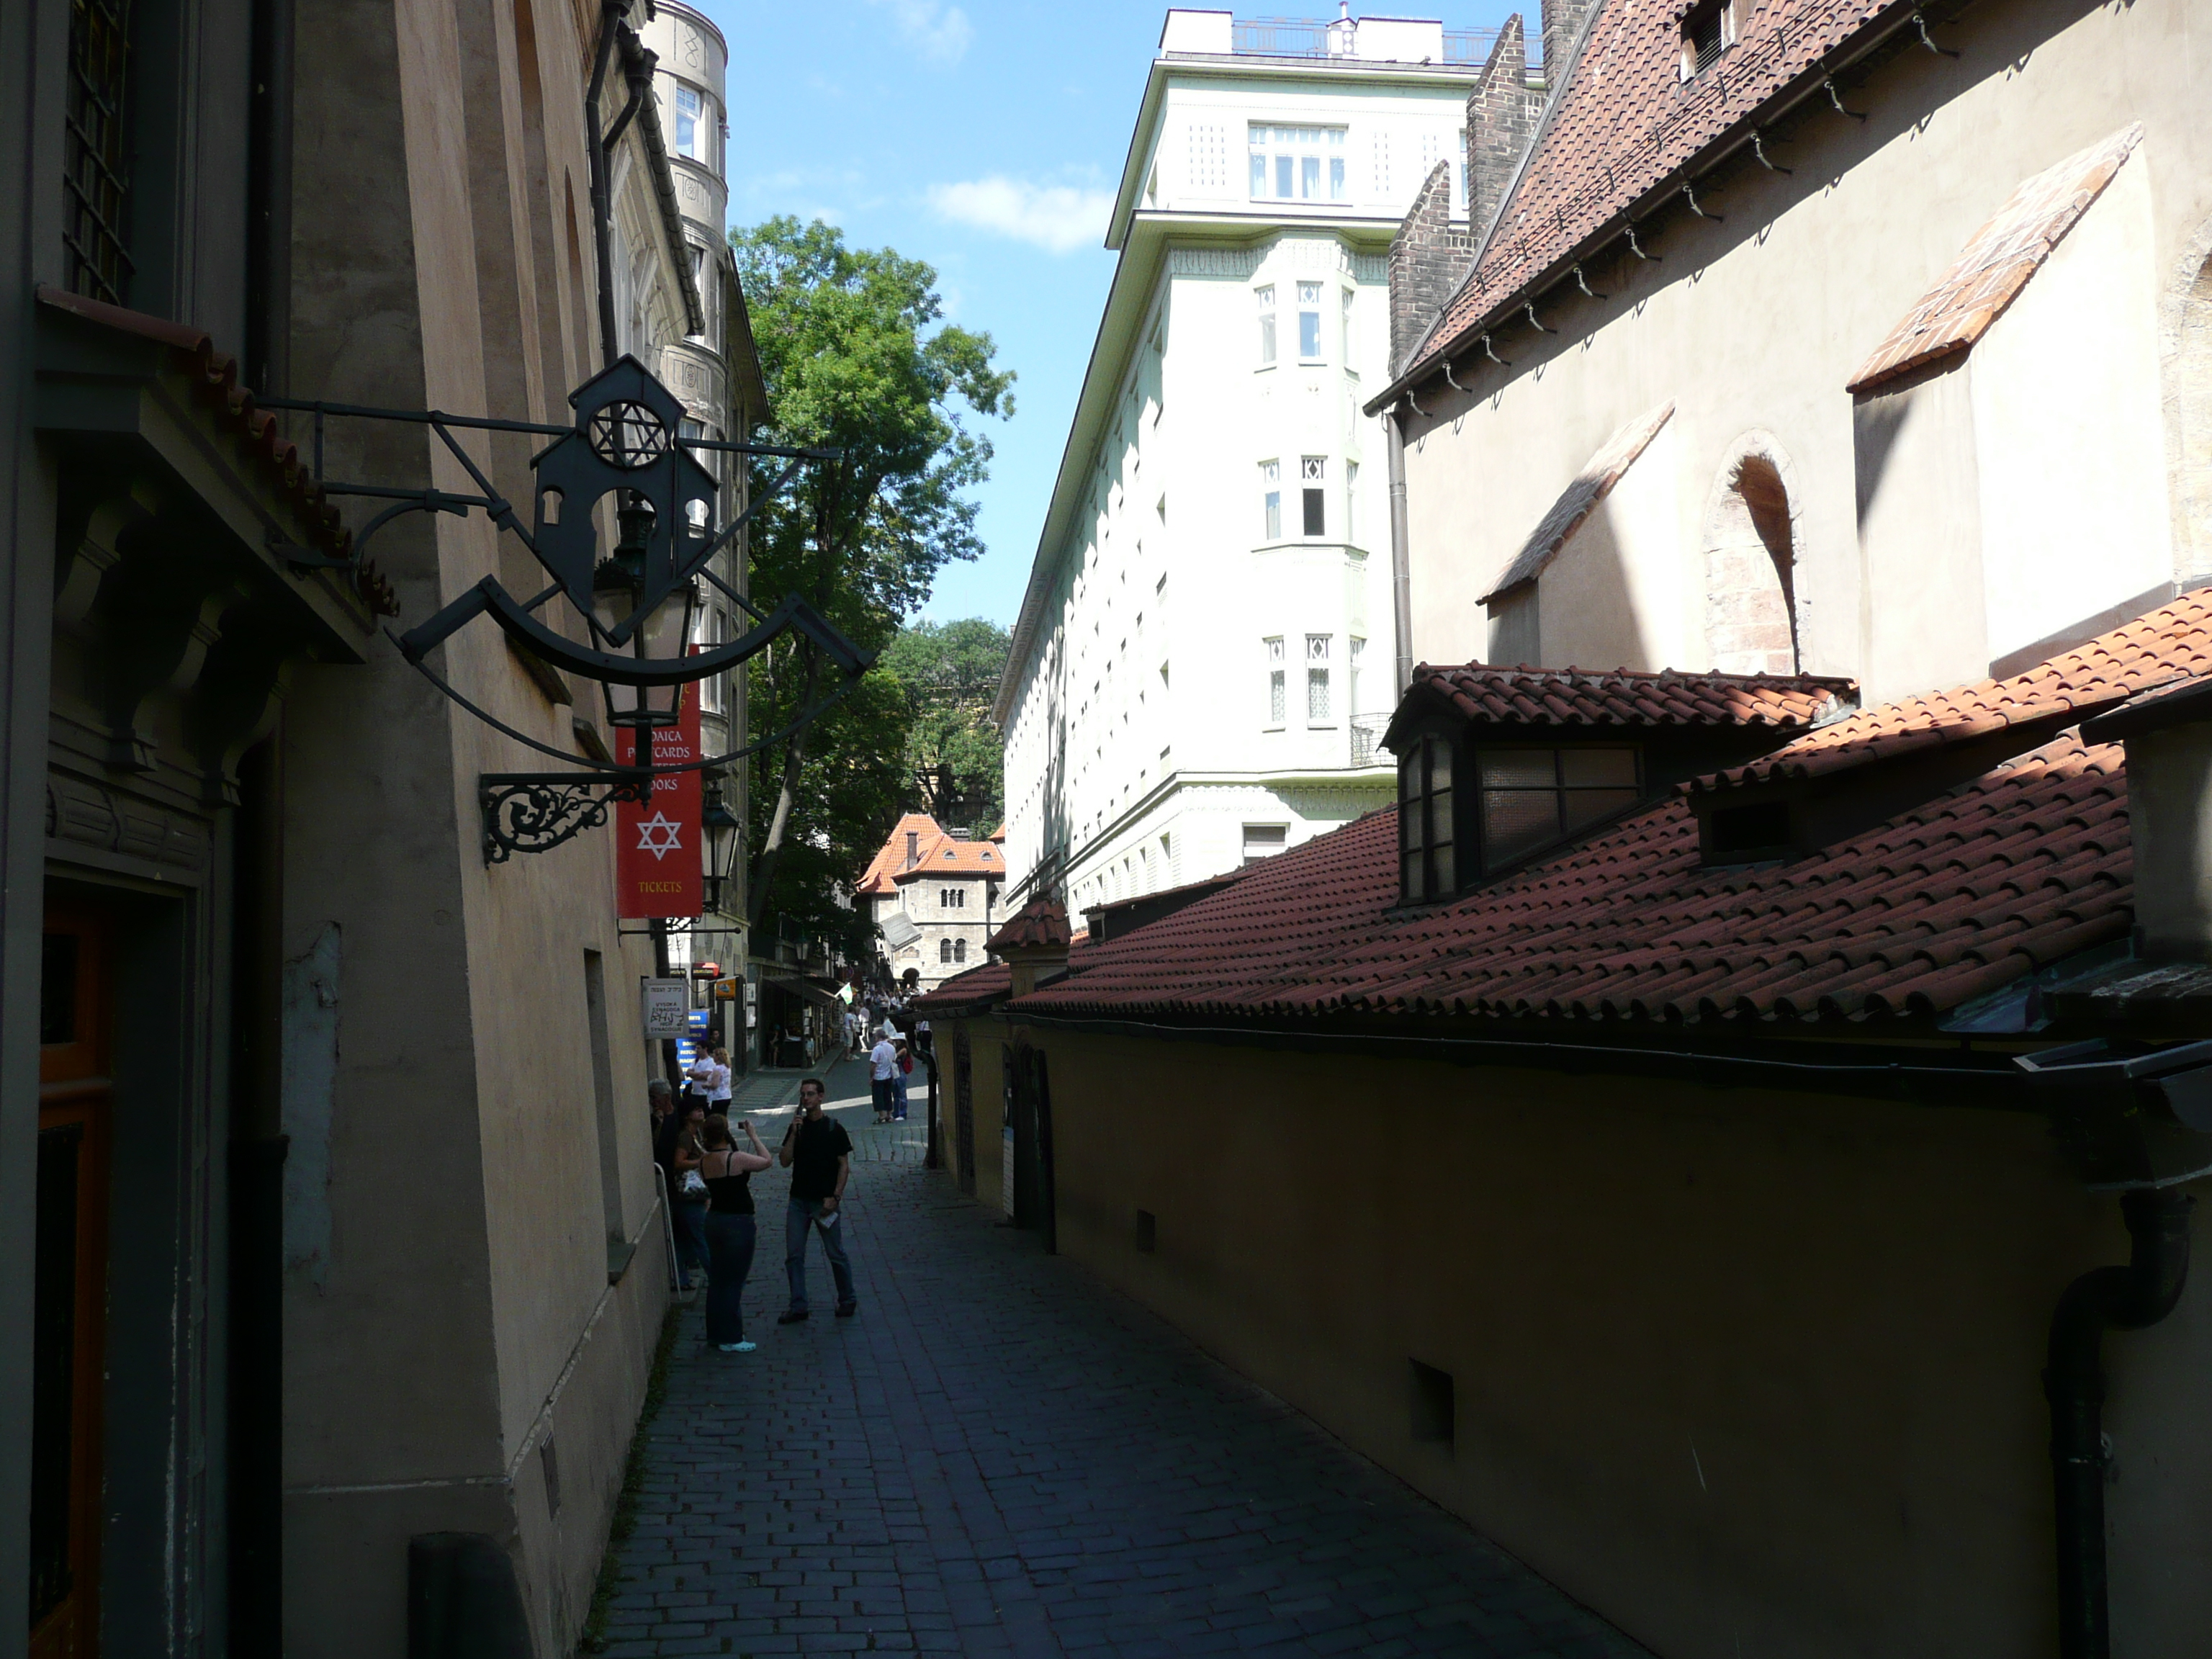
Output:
x=659 y=870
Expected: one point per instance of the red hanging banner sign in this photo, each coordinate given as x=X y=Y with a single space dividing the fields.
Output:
x=660 y=862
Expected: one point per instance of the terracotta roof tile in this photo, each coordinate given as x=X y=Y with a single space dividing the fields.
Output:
x=2023 y=866
x=890 y=858
x=949 y=855
x=1041 y=924
x=1997 y=261
x=1619 y=133
x=1591 y=485
x=1627 y=697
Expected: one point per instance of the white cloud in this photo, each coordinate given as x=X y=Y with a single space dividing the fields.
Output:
x=940 y=33
x=1056 y=217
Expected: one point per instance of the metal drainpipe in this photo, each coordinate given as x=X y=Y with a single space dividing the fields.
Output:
x=1401 y=584
x=2120 y=1299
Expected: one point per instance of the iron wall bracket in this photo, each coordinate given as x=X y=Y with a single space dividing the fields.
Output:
x=536 y=811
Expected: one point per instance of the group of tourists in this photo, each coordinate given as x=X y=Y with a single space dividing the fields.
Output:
x=711 y=1204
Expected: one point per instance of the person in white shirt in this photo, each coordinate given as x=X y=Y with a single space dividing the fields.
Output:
x=882 y=1066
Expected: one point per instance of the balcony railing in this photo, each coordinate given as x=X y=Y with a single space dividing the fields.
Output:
x=1308 y=37
x=1367 y=731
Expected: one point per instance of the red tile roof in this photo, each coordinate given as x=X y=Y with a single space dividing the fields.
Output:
x=1591 y=486
x=2171 y=643
x=1621 y=133
x=1040 y=925
x=948 y=855
x=213 y=377
x=890 y=859
x=1627 y=697
x=1997 y=261
x=2023 y=866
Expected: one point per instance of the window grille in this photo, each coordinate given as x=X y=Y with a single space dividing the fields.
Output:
x=96 y=186
x=1276 y=710
x=1267 y=298
x=1309 y=321
x=1317 y=693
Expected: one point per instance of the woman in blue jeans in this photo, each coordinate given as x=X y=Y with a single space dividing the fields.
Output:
x=728 y=1174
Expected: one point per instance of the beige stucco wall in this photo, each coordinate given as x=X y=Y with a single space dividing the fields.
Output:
x=456 y=1310
x=2049 y=504
x=1749 y=1373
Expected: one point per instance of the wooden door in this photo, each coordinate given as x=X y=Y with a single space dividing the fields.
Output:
x=69 y=1317
x=964 y=1110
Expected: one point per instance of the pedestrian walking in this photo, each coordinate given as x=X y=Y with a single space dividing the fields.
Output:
x=900 y=1073
x=883 y=1065
x=678 y=1154
x=718 y=1085
x=728 y=1174
x=819 y=1154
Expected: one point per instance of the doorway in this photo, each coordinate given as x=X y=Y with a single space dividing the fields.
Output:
x=68 y=1342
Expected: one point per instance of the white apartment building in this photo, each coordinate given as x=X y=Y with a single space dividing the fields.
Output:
x=1207 y=652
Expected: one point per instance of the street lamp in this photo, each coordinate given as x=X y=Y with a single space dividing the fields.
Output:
x=618 y=606
x=722 y=826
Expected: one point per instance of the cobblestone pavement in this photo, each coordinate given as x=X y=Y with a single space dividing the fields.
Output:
x=999 y=1456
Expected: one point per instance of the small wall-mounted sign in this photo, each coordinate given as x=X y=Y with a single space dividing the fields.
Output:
x=666 y=1006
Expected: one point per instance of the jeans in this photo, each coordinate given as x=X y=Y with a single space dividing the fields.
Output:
x=730 y=1255
x=798 y=1220
x=690 y=1239
x=898 y=1088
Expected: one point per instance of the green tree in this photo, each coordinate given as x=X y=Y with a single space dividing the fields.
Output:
x=856 y=357
x=950 y=674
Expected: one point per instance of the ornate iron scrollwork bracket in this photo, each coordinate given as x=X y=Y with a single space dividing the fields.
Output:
x=535 y=811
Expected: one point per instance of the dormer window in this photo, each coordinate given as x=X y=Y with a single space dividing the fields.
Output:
x=1534 y=797
x=1707 y=32
x=1428 y=829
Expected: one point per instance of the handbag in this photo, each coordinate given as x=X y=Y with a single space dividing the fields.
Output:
x=693 y=1185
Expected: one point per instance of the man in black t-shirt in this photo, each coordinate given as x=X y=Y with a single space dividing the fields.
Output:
x=819 y=1154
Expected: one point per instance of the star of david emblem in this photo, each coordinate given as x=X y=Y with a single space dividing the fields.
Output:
x=660 y=835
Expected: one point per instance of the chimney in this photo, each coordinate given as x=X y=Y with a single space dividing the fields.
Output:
x=913 y=848
x=1563 y=27
x=1033 y=943
x=1429 y=259
x=2169 y=747
x=1502 y=112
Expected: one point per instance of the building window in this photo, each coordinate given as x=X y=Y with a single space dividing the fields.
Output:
x=1312 y=474
x=1426 y=866
x=688 y=127
x=1354 y=650
x=1350 y=362
x=1707 y=32
x=1275 y=705
x=1317 y=677
x=714 y=633
x=1310 y=322
x=1351 y=502
x=95 y=178
x=1264 y=841
x=1297 y=164
x=945 y=950
x=1531 y=798
x=960 y=949
x=1267 y=298
x=1270 y=501
x=953 y=898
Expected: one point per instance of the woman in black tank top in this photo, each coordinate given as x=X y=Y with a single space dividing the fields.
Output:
x=728 y=1174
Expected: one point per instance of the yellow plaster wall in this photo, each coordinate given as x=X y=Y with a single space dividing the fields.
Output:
x=1749 y=1373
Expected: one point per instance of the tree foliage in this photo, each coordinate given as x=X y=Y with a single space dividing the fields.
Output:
x=950 y=672
x=856 y=357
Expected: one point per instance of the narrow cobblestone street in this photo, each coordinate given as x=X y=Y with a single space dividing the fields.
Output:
x=999 y=1457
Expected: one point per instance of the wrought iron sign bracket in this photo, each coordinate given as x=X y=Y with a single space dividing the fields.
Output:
x=536 y=811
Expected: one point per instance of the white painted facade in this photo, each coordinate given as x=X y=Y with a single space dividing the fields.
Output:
x=1197 y=674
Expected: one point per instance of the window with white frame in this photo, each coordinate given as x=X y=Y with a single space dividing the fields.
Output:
x=1312 y=479
x=1308 y=322
x=1264 y=841
x=1345 y=297
x=1351 y=502
x=715 y=629
x=1277 y=702
x=690 y=124
x=1318 y=678
x=1354 y=649
x=1271 y=501
x=1266 y=296
x=1297 y=164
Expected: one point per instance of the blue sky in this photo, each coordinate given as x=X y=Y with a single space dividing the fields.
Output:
x=986 y=139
